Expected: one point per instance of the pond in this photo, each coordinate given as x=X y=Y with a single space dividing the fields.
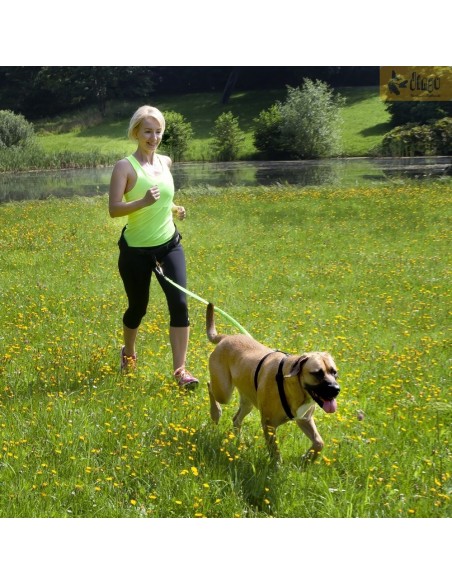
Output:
x=334 y=172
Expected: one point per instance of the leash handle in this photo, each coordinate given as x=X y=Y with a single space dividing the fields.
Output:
x=159 y=271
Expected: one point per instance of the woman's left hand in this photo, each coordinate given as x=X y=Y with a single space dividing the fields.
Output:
x=179 y=212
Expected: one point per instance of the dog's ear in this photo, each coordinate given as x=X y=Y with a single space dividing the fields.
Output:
x=297 y=366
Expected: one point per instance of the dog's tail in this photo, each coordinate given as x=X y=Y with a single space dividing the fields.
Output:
x=212 y=334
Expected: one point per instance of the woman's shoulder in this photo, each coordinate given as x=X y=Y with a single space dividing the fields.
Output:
x=123 y=165
x=166 y=160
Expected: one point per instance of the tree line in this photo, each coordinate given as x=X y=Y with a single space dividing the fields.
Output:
x=39 y=92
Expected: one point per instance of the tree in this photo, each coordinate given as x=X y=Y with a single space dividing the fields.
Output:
x=227 y=137
x=44 y=91
x=267 y=131
x=177 y=135
x=84 y=85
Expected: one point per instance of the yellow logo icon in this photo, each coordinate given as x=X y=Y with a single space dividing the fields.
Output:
x=416 y=83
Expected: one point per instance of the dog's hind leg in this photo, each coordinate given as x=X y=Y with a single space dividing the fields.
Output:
x=215 y=408
x=245 y=408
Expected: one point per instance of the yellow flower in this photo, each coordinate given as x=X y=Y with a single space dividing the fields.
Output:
x=194 y=470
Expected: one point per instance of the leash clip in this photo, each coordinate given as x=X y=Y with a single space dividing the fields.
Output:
x=158 y=269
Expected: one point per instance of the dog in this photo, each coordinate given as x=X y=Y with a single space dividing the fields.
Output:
x=280 y=386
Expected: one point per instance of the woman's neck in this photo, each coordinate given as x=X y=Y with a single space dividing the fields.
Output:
x=146 y=157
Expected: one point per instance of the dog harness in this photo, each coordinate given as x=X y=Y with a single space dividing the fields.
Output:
x=279 y=381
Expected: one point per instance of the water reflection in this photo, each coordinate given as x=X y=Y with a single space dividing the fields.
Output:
x=345 y=172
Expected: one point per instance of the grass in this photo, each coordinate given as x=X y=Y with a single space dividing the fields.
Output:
x=361 y=272
x=365 y=123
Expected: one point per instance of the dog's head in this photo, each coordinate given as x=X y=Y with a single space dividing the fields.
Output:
x=317 y=373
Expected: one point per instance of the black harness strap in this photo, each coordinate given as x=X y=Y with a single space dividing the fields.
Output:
x=282 y=394
x=279 y=381
x=259 y=365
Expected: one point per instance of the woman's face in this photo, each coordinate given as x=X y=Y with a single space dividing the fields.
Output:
x=149 y=134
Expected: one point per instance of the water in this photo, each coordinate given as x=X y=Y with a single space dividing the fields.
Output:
x=335 y=172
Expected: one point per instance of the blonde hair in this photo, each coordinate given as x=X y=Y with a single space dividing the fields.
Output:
x=145 y=111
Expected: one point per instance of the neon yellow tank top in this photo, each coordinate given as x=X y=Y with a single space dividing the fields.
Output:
x=151 y=225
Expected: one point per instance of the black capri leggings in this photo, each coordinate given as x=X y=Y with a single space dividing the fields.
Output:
x=136 y=266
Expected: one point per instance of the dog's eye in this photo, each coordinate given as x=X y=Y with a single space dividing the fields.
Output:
x=334 y=373
x=319 y=374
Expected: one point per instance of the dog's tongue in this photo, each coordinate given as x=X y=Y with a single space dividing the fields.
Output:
x=330 y=406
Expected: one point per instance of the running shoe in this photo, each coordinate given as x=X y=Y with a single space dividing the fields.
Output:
x=127 y=363
x=185 y=379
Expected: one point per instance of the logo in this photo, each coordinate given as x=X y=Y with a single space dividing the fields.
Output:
x=416 y=83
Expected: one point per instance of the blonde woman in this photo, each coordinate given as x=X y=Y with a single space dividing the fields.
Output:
x=142 y=189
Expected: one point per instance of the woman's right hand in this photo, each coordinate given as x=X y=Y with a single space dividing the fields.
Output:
x=152 y=196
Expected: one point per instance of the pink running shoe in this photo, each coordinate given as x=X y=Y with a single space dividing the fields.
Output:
x=127 y=362
x=185 y=379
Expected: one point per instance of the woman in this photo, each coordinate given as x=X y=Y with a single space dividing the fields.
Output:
x=142 y=189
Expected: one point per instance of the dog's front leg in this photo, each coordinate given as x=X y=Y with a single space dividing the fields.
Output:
x=309 y=428
x=215 y=408
x=270 y=438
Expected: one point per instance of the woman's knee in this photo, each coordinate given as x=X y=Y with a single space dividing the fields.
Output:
x=133 y=316
x=179 y=314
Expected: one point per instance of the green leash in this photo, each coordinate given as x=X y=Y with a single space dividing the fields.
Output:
x=159 y=271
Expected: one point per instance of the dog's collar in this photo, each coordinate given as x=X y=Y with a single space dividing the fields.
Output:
x=282 y=393
x=280 y=382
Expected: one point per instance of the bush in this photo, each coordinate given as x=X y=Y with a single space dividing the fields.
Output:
x=267 y=131
x=15 y=131
x=442 y=136
x=306 y=125
x=227 y=137
x=419 y=140
x=419 y=112
x=311 y=121
x=177 y=135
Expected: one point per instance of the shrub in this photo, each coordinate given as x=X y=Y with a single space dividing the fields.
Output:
x=311 y=120
x=408 y=140
x=306 y=125
x=442 y=136
x=227 y=137
x=177 y=135
x=419 y=140
x=15 y=131
x=419 y=112
x=267 y=131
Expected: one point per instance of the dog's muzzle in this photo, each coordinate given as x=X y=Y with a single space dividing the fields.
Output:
x=324 y=395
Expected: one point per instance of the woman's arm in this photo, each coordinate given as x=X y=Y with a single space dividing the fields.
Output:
x=178 y=211
x=117 y=207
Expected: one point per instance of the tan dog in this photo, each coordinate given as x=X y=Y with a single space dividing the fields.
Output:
x=280 y=387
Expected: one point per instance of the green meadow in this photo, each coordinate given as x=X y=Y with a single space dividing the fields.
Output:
x=363 y=273
x=365 y=121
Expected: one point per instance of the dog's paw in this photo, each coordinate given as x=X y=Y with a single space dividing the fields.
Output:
x=309 y=457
